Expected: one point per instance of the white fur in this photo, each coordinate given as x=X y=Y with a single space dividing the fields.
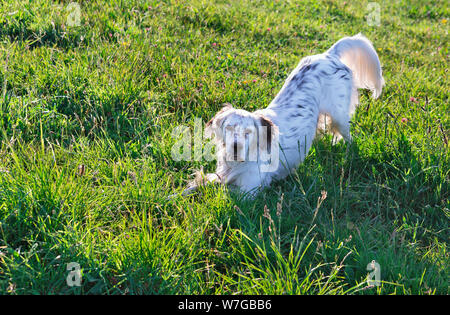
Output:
x=322 y=89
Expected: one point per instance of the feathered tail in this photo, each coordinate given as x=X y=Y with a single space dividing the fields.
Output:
x=358 y=54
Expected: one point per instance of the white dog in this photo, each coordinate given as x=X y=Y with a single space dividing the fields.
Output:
x=253 y=149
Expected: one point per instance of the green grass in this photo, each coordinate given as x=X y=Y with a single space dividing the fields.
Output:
x=86 y=120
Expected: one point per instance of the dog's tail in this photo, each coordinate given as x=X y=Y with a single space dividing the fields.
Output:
x=358 y=54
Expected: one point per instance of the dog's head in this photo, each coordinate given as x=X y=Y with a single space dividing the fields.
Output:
x=241 y=134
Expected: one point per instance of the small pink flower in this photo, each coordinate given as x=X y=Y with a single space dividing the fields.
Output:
x=268 y=29
x=404 y=120
x=214 y=44
x=165 y=75
x=110 y=35
x=413 y=99
x=254 y=81
x=217 y=82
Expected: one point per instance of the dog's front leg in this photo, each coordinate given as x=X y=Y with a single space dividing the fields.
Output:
x=200 y=180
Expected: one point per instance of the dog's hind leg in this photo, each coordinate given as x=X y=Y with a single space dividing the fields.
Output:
x=340 y=122
x=341 y=129
x=344 y=104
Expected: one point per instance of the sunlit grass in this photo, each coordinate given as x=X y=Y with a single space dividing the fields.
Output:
x=87 y=114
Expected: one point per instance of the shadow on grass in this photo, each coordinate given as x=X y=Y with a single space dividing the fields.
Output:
x=354 y=207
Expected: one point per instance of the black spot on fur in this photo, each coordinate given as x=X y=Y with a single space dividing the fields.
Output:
x=269 y=129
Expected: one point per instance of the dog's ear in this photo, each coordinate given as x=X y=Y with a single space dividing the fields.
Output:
x=213 y=124
x=268 y=132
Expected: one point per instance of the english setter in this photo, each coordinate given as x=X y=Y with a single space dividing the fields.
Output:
x=255 y=148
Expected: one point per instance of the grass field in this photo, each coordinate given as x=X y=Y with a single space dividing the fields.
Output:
x=87 y=112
